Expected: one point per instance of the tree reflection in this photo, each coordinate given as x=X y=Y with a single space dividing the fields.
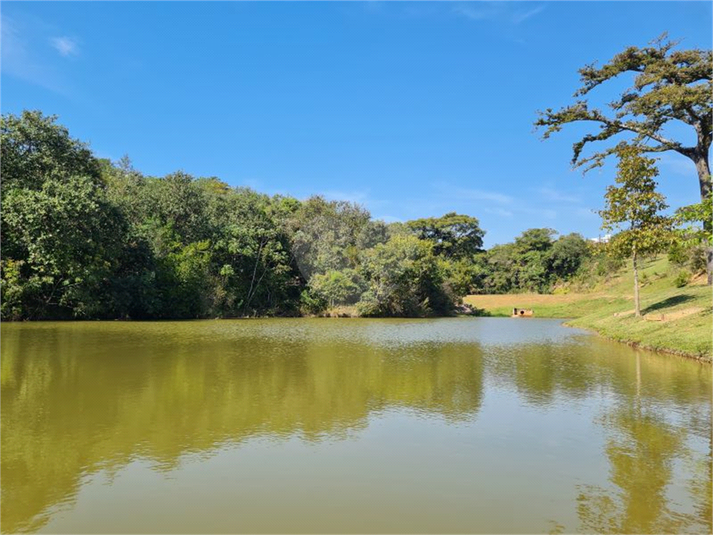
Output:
x=69 y=410
x=642 y=449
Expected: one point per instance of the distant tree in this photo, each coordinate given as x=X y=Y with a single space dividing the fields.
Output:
x=535 y=239
x=338 y=287
x=522 y=265
x=181 y=203
x=251 y=254
x=453 y=235
x=502 y=263
x=567 y=255
x=65 y=239
x=35 y=148
x=325 y=235
x=404 y=279
x=464 y=276
x=692 y=240
x=60 y=235
x=634 y=208
x=670 y=87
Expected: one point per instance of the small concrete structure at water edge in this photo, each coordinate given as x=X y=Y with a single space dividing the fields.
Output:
x=522 y=312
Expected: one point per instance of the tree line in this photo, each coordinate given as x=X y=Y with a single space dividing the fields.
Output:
x=85 y=237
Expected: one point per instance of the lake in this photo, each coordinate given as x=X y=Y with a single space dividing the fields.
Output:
x=459 y=425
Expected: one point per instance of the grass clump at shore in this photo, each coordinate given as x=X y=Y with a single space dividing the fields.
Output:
x=676 y=318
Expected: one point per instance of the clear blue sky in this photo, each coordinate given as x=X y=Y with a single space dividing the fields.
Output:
x=412 y=109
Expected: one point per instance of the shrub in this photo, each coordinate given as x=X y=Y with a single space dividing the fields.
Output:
x=311 y=303
x=682 y=279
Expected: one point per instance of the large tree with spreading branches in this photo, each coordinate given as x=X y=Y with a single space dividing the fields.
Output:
x=670 y=86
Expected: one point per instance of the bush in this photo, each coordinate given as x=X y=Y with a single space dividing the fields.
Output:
x=311 y=303
x=688 y=256
x=678 y=254
x=682 y=279
x=338 y=287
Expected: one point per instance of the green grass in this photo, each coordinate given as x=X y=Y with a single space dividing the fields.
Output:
x=685 y=314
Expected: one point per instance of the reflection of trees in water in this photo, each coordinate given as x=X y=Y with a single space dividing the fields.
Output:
x=68 y=410
x=641 y=453
x=541 y=371
x=642 y=449
x=544 y=373
x=77 y=399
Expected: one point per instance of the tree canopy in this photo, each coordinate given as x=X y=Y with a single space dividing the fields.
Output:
x=90 y=238
x=669 y=86
x=634 y=208
x=453 y=235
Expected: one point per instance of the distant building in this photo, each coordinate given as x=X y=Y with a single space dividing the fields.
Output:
x=601 y=239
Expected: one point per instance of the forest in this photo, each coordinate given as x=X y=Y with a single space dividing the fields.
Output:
x=88 y=238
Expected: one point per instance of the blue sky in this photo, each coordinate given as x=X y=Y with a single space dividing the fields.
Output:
x=412 y=109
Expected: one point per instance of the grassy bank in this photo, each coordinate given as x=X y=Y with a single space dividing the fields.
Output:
x=676 y=320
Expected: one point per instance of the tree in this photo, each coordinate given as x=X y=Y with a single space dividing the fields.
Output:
x=65 y=241
x=453 y=235
x=636 y=204
x=693 y=241
x=533 y=262
x=338 y=287
x=566 y=255
x=35 y=148
x=325 y=235
x=670 y=87
x=535 y=239
x=60 y=235
x=404 y=279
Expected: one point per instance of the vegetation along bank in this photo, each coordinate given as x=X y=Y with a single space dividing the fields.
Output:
x=86 y=238
x=676 y=307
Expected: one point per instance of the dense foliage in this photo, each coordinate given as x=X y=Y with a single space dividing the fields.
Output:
x=89 y=238
x=534 y=262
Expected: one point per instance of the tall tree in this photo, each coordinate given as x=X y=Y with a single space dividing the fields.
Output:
x=670 y=87
x=60 y=236
x=453 y=235
x=636 y=205
x=35 y=148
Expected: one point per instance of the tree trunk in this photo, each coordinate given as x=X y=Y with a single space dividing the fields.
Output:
x=637 y=303
x=704 y=173
x=706 y=186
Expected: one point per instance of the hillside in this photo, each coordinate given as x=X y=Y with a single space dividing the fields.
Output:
x=675 y=320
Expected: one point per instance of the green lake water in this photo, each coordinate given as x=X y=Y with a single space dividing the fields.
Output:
x=460 y=425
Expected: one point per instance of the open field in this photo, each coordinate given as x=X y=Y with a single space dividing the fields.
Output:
x=676 y=320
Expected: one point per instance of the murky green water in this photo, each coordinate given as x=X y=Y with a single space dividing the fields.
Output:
x=309 y=425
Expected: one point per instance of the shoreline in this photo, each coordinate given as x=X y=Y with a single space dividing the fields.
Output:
x=570 y=321
x=702 y=358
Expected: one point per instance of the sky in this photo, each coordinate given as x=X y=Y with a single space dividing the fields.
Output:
x=410 y=109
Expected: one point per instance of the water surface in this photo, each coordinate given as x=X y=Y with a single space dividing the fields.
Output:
x=460 y=425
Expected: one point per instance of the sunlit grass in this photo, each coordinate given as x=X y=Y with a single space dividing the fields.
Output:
x=674 y=319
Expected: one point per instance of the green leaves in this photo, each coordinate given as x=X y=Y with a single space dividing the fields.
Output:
x=453 y=235
x=404 y=279
x=633 y=207
x=66 y=236
x=36 y=149
x=668 y=85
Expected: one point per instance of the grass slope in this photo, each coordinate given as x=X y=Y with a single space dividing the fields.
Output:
x=676 y=320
